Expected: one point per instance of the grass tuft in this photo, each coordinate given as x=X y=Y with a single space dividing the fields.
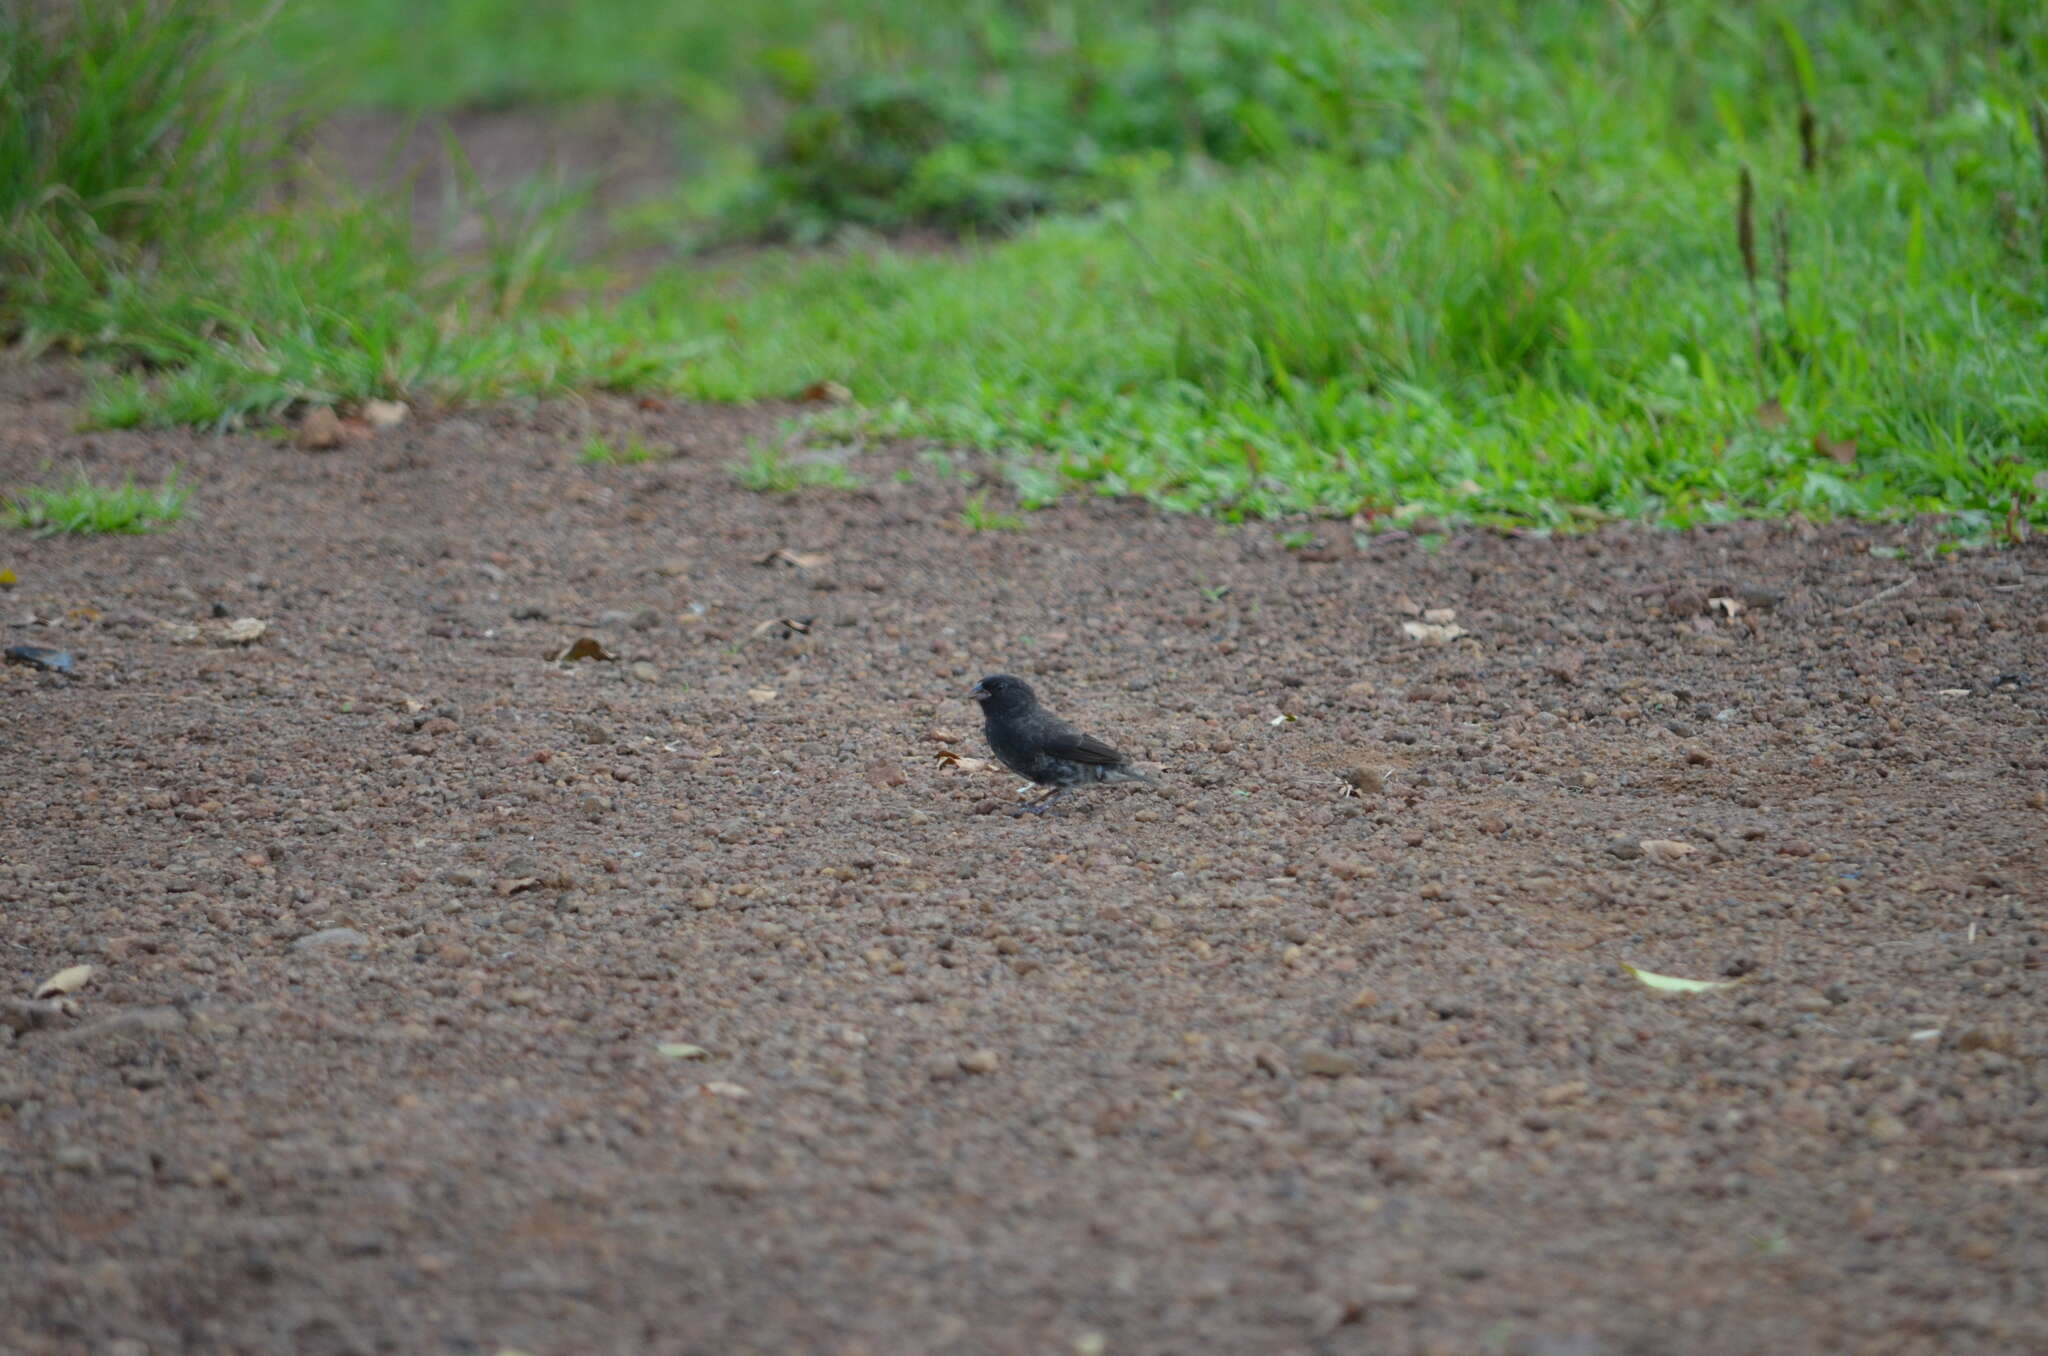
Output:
x=977 y=516
x=770 y=470
x=81 y=506
x=598 y=452
x=124 y=120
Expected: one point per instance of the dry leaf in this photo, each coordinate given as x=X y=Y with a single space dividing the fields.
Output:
x=949 y=759
x=1440 y=616
x=825 y=393
x=761 y=696
x=1843 y=451
x=791 y=626
x=320 y=430
x=802 y=560
x=1365 y=779
x=1666 y=850
x=2012 y=1176
x=1673 y=984
x=68 y=980
x=1770 y=415
x=242 y=631
x=723 y=1089
x=8 y=579
x=1727 y=607
x=385 y=413
x=1433 y=633
x=681 y=1050
x=584 y=647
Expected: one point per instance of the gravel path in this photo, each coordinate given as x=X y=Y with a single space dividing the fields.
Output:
x=451 y=1000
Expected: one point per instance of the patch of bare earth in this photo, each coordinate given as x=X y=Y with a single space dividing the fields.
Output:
x=459 y=171
x=688 y=1002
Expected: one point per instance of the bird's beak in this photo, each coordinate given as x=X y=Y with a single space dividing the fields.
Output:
x=979 y=693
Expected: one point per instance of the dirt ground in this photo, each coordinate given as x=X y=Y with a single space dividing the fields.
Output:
x=691 y=1002
x=619 y=158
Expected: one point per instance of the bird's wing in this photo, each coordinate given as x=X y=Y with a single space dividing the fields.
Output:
x=1079 y=748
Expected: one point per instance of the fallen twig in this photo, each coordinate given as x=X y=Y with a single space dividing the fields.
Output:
x=1892 y=591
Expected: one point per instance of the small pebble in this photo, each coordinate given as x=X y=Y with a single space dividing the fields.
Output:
x=330 y=937
x=1320 y=1061
x=78 y=1158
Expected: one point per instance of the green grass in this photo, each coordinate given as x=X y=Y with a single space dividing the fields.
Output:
x=599 y=452
x=123 y=129
x=124 y=120
x=977 y=516
x=770 y=470
x=81 y=506
x=1423 y=263
x=1438 y=338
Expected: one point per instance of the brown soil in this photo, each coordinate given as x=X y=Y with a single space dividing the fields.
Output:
x=624 y=154
x=510 y=159
x=1268 y=1067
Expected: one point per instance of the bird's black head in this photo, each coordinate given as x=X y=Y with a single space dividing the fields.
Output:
x=1002 y=695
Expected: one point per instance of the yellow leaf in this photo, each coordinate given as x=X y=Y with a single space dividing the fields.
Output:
x=69 y=980
x=1673 y=984
x=681 y=1050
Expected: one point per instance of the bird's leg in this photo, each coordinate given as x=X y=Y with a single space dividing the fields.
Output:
x=1037 y=807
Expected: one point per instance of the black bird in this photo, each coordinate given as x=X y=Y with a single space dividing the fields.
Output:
x=1040 y=747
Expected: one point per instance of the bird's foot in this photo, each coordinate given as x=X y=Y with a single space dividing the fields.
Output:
x=1037 y=807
